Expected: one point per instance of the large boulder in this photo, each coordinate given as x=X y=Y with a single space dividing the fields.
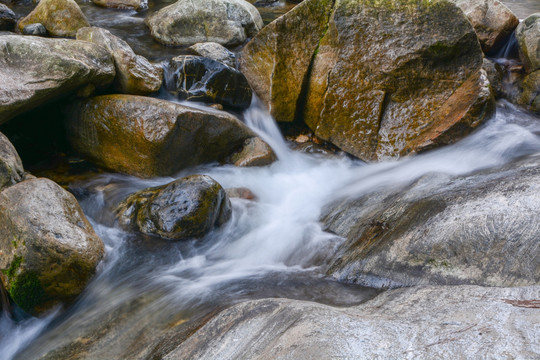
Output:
x=416 y=323
x=37 y=70
x=150 y=137
x=478 y=229
x=187 y=22
x=492 y=21
x=11 y=168
x=185 y=208
x=198 y=78
x=48 y=249
x=7 y=18
x=134 y=73
x=528 y=37
x=366 y=81
x=60 y=17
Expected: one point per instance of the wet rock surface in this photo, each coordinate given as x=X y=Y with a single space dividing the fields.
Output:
x=11 y=168
x=48 y=249
x=215 y=52
x=254 y=153
x=185 y=208
x=528 y=37
x=120 y=4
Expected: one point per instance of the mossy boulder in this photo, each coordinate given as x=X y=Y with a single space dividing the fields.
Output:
x=11 y=168
x=36 y=70
x=61 y=18
x=48 y=249
x=148 y=137
x=530 y=91
x=187 y=22
x=134 y=73
x=183 y=209
x=528 y=37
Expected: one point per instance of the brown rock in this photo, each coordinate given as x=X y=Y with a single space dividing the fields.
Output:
x=254 y=153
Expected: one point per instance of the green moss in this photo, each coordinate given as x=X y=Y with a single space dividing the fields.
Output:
x=27 y=291
x=13 y=267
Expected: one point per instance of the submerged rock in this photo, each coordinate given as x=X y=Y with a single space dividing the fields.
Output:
x=60 y=17
x=11 y=168
x=365 y=81
x=186 y=22
x=478 y=229
x=48 y=249
x=528 y=37
x=150 y=137
x=36 y=70
x=419 y=323
x=198 y=78
x=215 y=52
x=134 y=73
x=7 y=18
x=186 y=208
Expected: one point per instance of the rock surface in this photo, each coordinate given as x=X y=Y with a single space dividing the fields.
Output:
x=120 y=4
x=185 y=208
x=419 y=323
x=365 y=81
x=134 y=73
x=36 y=70
x=198 y=78
x=215 y=52
x=35 y=29
x=149 y=137
x=60 y=17
x=530 y=91
x=492 y=21
x=528 y=37
x=186 y=22
x=478 y=229
x=48 y=249
x=254 y=153
x=11 y=168
x=7 y=18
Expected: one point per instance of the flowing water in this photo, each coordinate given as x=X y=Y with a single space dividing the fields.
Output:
x=148 y=293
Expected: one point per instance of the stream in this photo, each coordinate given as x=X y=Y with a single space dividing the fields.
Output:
x=148 y=291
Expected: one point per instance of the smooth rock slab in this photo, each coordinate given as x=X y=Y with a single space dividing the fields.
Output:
x=415 y=323
x=35 y=70
x=11 y=168
x=48 y=249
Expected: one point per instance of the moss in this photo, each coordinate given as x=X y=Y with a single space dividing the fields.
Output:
x=27 y=291
x=13 y=267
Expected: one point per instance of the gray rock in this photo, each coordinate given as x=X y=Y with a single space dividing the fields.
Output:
x=48 y=249
x=134 y=73
x=186 y=208
x=35 y=29
x=7 y=18
x=215 y=52
x=478 y=229
x=254 y=153
x=186 y=22
x=414 y=323
x=36 y=70
x=528 y=37
x=11 y=168
x=121 y=4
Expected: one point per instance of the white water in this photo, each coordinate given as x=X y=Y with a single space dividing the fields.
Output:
x=277 y=234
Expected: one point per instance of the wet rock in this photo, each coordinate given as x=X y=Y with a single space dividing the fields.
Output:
x=48 y=249
x=7 y=18
x=528 y=37
x=120 y=4
x=530 y=91
x=36 y=70
x=60 y=17
x=197 y=78
x=464 y=230
x=134 y=73
x=215 y=52
x=492 y=21
x=241 y=193
x=495 y=76
x=254 y=153
x=186 y=208
x=36 y=29
x=11 y=168
x=364 y=81
x=420 y=323
x=186 y=22
x=262 y=3
x=150 y=137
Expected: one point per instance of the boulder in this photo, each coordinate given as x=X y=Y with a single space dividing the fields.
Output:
x=492 y=21
x=215 y=52
x=464 y=230
x=365 y=81
x=150 y=137
x=254 y=153
x=530 y=91
x=11 y=168
x=185 y=208
x=7 y=18
x=37 y=70
x=60 y=17
x=134 y=73
x=417 y=323
x=186 y=22
x=121 y=4
x=35 y=29
x=197 y=78
x=528 y=37
x=48 y=249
